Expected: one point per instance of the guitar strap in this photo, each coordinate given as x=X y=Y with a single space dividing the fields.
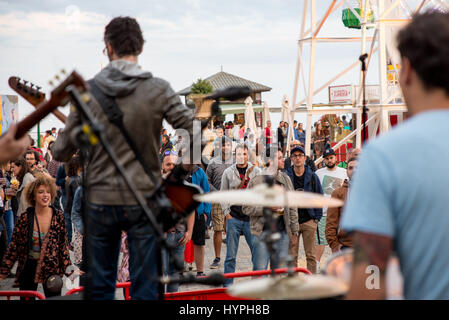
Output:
x=115 y=116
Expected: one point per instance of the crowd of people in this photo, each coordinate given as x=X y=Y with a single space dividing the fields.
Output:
x=238 y=159
x=236 y=163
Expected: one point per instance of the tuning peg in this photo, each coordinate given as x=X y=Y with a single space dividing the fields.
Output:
x=51 y=83
x=63 y=71
x=57 y=77
x=37 y=91
x=25 y=85
x=31 y=88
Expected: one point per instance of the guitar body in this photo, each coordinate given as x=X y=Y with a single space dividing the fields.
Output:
x=181 y=196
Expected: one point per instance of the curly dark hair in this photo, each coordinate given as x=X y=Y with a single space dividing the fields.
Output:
x=425 y=42
x=125 y=36
x=41 y=180
x=73 y=165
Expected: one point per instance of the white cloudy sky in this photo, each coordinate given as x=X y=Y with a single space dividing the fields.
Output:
x=185 y=40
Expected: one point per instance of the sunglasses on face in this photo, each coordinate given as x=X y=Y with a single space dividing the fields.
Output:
x=170 y=152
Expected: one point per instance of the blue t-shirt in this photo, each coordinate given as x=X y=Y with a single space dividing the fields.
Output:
x=400 y=190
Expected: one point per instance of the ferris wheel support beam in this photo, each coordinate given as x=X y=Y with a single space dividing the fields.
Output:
x=380 y=16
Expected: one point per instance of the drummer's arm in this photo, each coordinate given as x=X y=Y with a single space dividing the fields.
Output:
x=371 y=255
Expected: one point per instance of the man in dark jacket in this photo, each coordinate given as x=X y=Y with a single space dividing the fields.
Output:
x=304 y=179
x=145 y=101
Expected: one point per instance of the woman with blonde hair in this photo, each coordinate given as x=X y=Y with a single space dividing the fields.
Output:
x=39 y=241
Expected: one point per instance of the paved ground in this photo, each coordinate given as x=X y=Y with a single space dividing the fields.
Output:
x=243 y=260
x=243 y=264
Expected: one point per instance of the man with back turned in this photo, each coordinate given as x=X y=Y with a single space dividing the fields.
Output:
x=145 y=101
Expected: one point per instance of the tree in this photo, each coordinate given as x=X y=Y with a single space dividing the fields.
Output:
x=201 y=87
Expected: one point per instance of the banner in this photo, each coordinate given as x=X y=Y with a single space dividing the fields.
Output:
x=9 y=111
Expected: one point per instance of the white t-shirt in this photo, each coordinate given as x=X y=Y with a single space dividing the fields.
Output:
x=331 y=180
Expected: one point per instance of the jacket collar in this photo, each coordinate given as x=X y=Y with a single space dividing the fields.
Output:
x=234 y=167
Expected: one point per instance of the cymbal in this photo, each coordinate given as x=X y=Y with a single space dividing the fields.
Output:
x=300 y=287
x=264 y=196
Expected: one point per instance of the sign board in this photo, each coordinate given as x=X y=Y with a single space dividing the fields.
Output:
x=9 y=111
x=341 y=94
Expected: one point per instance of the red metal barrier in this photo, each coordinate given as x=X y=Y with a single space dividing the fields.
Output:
x=124 y=285
x=220 y=293
x=26 y=294
x=342 y=151
x=207 y=294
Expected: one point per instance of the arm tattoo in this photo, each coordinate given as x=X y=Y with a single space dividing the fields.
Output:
x=372 y=249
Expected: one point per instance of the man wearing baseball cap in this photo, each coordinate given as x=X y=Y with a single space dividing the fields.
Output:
x=331 y=178
x=304 y=179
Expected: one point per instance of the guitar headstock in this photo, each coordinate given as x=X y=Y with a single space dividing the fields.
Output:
x=27 y=90
x=59 y=95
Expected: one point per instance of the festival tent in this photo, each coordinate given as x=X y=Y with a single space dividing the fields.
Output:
x=250 y=120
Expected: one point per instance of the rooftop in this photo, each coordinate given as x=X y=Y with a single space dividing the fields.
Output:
x=222 y=80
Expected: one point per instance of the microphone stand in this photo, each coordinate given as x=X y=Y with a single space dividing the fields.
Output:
x=362 y=58
x=91 y=133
